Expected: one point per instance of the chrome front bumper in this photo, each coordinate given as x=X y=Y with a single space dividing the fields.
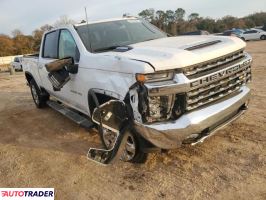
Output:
x=171 y=134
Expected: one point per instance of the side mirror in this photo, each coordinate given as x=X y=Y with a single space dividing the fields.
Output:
x=59 y=72
x=67 y=63
x=72 y=68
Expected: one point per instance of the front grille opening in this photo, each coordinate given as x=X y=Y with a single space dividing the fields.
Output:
x=214 y=91
x=214 y=65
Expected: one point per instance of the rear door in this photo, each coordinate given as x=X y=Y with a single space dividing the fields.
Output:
x=49 y=53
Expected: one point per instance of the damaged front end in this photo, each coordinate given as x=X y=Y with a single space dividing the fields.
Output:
x=177 y=107
x=156 y=99
x=186 y=105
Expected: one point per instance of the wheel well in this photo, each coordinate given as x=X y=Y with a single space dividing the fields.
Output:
x=102 y=98
x=29 y=77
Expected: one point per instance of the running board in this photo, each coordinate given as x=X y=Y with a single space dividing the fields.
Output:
x=72 y=115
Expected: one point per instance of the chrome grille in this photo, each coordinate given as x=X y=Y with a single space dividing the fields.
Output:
x=209 y=92
x=210 y=66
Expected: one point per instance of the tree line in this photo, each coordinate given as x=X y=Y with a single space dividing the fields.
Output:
x=170 y=21
x=20 y=44
x=175 y=23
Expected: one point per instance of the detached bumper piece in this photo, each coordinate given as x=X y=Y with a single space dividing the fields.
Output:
x=104 y=156
x=114 y=116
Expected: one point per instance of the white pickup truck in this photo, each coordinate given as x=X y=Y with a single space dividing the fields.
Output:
x=127 y=74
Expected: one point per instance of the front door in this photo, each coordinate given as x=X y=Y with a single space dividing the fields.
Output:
x=57 y=45
x=72 y=92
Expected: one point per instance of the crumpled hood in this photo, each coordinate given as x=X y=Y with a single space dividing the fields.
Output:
x=181 y=51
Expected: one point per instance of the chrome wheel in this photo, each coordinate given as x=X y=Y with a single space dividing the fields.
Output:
x=34 y=94
x=109 y=139
x=130 y=149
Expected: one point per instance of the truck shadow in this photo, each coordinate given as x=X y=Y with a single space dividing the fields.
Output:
x=26 y=126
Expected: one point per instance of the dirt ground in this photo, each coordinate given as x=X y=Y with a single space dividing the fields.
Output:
x=41 y=148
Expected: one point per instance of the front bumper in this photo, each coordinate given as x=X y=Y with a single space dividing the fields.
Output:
x=171 y=134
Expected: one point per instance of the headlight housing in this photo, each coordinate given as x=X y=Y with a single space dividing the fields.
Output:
x=159 y=108
x=154 y=77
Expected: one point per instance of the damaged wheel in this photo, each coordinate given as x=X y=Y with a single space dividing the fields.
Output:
x=132 y=152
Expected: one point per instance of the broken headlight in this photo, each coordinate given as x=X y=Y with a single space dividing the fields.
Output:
x=159 y=108
x=153 y=77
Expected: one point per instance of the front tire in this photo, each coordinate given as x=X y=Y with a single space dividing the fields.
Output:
x=132 y=152
x=38 y=98
x=263 y=37
x=243 y=38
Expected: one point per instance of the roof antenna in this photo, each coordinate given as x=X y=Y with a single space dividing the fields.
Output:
x=88 y=32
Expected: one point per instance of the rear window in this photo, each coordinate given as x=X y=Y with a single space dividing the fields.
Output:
x=50 y=45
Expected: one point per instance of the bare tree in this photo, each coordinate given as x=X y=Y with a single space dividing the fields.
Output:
x=16 y=33
x=37 y=35
x=64 y=20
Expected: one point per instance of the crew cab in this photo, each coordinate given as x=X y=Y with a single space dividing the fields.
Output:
x=171 y=90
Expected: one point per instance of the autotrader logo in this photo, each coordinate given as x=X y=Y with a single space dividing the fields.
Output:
x=27 y=193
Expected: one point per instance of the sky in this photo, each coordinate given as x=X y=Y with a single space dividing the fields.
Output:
x=28 y=15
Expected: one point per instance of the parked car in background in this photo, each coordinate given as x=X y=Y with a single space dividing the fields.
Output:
x=263 y=28
x=229 y=33
x=233 y=32
x=253 y=34
x=17 y=64
x=200 y=32
x=238 y=31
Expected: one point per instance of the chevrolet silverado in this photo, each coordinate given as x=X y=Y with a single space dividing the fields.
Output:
x=127 y=76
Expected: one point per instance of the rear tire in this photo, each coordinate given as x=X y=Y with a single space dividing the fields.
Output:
x=38 y=98
x=243 y=38
x=263 y=37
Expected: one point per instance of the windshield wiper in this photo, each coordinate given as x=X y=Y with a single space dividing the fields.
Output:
x=115 y=47
x=106 y=48
x=152 y=39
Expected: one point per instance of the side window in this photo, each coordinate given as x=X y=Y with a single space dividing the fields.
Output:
x=67 y=46
x=50 y=45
